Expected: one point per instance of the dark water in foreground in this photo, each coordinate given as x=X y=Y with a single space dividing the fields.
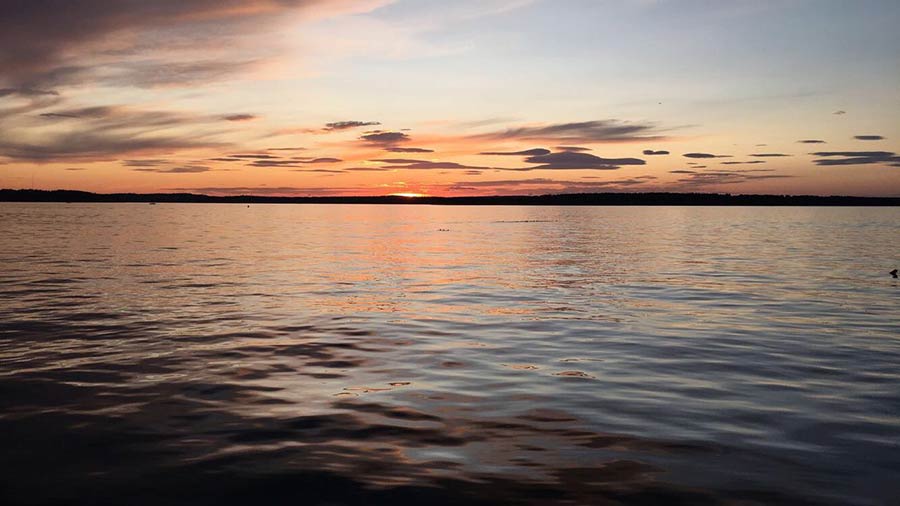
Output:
x=214 y=354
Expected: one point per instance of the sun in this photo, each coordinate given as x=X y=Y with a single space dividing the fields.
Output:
x=408 y=194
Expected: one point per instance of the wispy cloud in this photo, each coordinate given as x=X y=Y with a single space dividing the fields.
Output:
x=398 y=149
x=692 y=179
x=294 y=162
x=240 y=117
x=577 y=160
x=406 y=163
x=579 y=132
x=186 y=169
x=548 y=185
x=704 y=155
x=830 y=158
x=37 y=37
x=383 y=138
x=527 y=152
x=346 y=125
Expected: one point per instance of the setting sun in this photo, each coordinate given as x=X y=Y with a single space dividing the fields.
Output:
x=408 y=194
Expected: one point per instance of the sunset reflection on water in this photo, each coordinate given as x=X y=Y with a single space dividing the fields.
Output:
x=366 y=354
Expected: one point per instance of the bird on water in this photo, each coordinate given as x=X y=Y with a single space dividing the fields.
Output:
x=893 y=273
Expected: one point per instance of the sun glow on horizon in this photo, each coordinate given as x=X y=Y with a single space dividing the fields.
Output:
x=408 y=194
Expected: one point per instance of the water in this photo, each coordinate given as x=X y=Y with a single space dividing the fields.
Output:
x=288 y=354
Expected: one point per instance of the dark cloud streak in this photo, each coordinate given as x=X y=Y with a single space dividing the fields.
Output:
x=527 y=152
x=837 y=158
x=396 y=149
x=346 y=125
x=384 y=138
x=704 y=155
x=578 y=132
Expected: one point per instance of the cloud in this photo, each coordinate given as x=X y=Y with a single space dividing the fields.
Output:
x=240 y=117
x=28 y=92
x=681 y=171
x=527 y=152
x=702 y=179
x=532 y=185
x=743 y=163
x=383 y=138
x=157 y=73
x=90 y=146
x=812 y=141
x=187 y=169
x=580 y=132
x=576 y=160
x=839 y=113
x=104 y=132
x=868 y=137
x=832 y=158
x=572 y=148
x=25 y=100
x=407 y=163
x=650 y=152
x=152 y=162
x=37 y=37
x=345 y=125
x=58 y=115
x=769 y=155
x=408 y=150
x=704 y=155
x=105 y=112
x=511 y=182
x=254 y=156
x=296 y=162
x=274 y=163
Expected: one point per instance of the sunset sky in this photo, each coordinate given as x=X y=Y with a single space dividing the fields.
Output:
x=466 y=97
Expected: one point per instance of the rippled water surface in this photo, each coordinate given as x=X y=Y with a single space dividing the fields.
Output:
x=352 y=354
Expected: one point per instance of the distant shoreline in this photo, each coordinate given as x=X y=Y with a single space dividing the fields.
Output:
x=569 y=199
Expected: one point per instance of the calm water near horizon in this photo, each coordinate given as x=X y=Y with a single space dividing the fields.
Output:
x=357 y=354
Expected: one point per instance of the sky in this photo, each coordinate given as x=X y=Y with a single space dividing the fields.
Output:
x=463 y=97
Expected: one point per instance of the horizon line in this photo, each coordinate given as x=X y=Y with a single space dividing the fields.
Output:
x=592 y=198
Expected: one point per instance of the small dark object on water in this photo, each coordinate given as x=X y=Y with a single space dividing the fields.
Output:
x=893 y=273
